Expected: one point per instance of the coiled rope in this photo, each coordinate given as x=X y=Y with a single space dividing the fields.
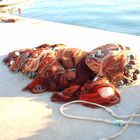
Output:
x=118 y=122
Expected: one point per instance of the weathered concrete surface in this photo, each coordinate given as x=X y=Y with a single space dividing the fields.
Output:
x=26 y=116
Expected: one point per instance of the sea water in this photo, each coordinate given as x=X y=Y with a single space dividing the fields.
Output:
x=112 y=15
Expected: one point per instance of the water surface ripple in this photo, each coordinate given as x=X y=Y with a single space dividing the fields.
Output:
x=113 y=15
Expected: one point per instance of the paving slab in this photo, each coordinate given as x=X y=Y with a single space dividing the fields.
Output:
x=25 y=116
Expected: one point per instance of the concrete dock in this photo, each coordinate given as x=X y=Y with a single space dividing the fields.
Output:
x=25 y=116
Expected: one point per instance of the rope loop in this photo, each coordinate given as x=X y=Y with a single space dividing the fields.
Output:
x=120 y=122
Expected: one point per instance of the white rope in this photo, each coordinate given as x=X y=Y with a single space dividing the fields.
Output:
x=118 y=122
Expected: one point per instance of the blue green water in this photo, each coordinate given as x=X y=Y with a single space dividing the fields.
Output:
x=113 y=15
